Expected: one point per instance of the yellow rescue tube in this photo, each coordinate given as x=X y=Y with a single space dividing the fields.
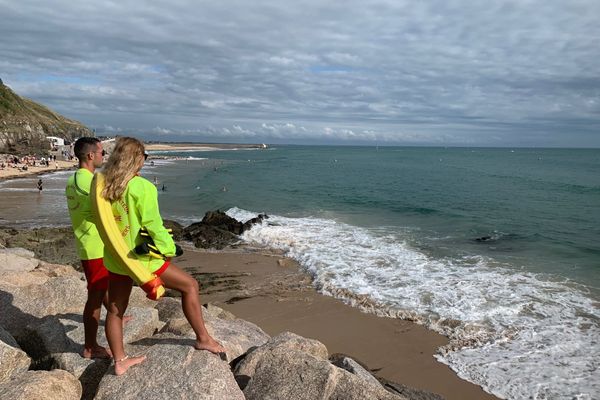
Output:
x=116 y=245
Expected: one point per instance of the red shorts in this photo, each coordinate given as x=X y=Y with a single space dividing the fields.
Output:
x=96 y=274
x=124 y=278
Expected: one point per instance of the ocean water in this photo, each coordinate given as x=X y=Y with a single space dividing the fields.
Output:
x=499 y=249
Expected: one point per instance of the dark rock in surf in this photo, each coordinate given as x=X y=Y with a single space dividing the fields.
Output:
x=208 y=237
x=256 y=220
x=218 y=230
x=223 y=221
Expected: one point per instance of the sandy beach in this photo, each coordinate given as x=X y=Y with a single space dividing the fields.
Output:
x=272 y=292
x=196 y=146
x=12 y=173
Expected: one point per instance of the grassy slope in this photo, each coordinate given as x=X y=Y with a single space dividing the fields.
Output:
x=13 y=106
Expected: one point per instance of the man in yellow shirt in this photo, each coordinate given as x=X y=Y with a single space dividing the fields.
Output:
x=89 y=244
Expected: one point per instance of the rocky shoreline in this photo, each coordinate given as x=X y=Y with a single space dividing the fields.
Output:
x=42 y=293
x=41 y=338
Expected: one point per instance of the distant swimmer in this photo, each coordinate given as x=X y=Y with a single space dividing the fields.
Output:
x=39 y=185
x=224 y=189
x=163 y=188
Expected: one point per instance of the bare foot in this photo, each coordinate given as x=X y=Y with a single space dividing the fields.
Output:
x=122 y=365
x=126 y=319
x=96 y=352
x=210 y=345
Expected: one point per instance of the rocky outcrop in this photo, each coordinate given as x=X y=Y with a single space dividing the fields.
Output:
x=218 y=230
x=42 y=385
x=352 y=366
x=14 y=360
x=41 y=305
x=173 y=370
x=292 y=367
x=55 y=245
x=24 y=125
x=21 y=306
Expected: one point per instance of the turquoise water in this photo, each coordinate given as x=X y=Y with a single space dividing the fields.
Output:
x=395 y=231
x=540 y=207
x=399 y=227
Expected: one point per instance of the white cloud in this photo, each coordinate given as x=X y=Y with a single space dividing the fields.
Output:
x=393 y=71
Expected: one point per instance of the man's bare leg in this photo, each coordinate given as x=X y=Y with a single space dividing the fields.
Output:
x=91 y=321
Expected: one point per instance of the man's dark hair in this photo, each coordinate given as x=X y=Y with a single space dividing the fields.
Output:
x=84 y=145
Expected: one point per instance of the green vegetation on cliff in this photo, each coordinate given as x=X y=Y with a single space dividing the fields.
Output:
x=24 y=124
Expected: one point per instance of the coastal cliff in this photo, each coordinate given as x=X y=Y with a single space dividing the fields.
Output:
x=25 y=124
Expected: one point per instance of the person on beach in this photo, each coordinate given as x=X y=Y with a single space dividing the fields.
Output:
x=135 y=207
x=90 y=247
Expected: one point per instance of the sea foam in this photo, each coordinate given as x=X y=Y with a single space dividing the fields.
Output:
x=519 y=335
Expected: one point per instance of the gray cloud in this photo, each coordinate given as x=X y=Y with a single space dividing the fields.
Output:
x=391 y=72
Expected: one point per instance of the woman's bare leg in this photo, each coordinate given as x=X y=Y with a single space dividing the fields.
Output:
x=176 y=279
x=118 y=299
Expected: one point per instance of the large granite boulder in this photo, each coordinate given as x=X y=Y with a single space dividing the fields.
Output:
x=169 y=308
x=172 y=371
x=13 y=360
x=357 y=368
x=285 y=340
x=138 y=299
x=51 y=244
x=236 y=335
x=55 y=335
x=290 y=366
x=24 y=305
x=42 y=385
x=38 y=275
x=17 y=260
x=57 y=342
x=31 y=289
x=411 y=393
x=352 y=366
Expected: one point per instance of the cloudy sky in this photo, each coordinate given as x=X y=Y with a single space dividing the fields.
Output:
x=478 y=73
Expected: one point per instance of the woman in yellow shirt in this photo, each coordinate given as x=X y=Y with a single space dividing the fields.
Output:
x=135 y=206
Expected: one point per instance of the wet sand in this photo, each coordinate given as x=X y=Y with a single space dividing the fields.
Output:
x=273 y=293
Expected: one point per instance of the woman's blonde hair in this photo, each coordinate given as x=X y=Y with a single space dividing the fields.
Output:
x=125 y=161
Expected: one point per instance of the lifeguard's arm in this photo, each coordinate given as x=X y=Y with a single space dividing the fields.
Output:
x=151 y=219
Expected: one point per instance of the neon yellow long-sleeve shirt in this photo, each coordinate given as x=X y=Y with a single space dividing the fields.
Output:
x=137 y=208
x=87 y=240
